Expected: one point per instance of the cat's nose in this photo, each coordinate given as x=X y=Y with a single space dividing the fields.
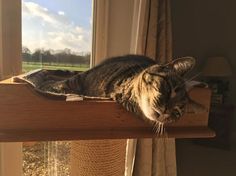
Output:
x=163 y=118
x=166 y=116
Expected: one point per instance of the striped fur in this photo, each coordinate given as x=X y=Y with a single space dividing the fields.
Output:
x=154 y=92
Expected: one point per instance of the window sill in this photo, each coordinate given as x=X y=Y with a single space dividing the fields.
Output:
x=27 y=116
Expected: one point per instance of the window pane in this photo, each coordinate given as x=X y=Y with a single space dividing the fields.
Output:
x=46 y=158
x=56 y=34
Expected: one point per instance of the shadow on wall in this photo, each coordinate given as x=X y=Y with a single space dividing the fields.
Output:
x=203 y=29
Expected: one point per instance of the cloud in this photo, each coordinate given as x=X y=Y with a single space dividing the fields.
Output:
x=61 y=13
x=34 y=10
x=43 y=28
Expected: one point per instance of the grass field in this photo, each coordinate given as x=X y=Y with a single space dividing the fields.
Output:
x=26 y=67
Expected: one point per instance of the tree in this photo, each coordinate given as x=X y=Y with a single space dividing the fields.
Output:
x=37 y=55
x=66 y=57
x=26 y=54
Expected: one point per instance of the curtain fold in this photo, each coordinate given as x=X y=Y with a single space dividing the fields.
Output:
x=156 y=157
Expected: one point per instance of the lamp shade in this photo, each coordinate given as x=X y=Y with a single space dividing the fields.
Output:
x=217 y=67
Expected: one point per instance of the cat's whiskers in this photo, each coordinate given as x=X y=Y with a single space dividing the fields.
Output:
x=158 y=128
x=189 y=79
x=154 y=128
x=193 y=77
x=162 y=128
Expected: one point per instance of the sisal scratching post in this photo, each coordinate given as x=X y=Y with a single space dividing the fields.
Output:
x=98 y=157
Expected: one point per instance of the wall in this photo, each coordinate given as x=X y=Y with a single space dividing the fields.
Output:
x=203 y=28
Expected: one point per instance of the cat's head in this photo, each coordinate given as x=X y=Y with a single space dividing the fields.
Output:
x=162 y=91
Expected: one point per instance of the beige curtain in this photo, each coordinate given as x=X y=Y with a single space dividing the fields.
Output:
x=156 y=157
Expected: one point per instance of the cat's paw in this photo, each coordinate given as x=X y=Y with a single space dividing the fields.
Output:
x=116 y=97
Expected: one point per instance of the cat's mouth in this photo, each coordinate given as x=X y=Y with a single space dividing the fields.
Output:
x=162 y=117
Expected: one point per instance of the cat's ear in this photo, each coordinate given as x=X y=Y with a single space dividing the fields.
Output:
x=182 y=65
x=194 y=107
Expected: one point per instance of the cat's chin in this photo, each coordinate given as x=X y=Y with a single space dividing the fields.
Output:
x=157 y=117
x=160 y=122
x=160 y=118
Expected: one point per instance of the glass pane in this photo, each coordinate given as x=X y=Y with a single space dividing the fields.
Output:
x=46 y=158
x=56 y=34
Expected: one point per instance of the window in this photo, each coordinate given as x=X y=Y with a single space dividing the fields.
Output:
x=105 y=11
x=55 y=35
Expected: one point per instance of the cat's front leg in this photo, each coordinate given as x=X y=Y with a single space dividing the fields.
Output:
x=128 y=104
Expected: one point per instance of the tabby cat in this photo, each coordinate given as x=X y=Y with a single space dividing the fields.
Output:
x=156 y=93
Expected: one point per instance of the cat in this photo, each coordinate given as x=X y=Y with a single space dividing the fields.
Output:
x=156 y=93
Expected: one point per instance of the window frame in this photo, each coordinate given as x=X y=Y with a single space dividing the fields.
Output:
x=10 y=65
x=10 y=38
x=107 y=19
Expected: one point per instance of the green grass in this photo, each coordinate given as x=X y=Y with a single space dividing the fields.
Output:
x=26 y=67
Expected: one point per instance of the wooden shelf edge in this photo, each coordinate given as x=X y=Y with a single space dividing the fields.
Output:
x=47 y=135
x=27 y=116
x=191 y=132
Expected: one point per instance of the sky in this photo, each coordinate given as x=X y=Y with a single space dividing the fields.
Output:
x=57 y=24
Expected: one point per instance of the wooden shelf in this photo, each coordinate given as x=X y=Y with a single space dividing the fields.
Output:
x=27 y=116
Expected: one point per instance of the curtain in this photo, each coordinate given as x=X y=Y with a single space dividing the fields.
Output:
x=156 y=157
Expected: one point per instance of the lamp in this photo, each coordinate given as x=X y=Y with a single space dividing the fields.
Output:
x=217 y=67
x=216 y=71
